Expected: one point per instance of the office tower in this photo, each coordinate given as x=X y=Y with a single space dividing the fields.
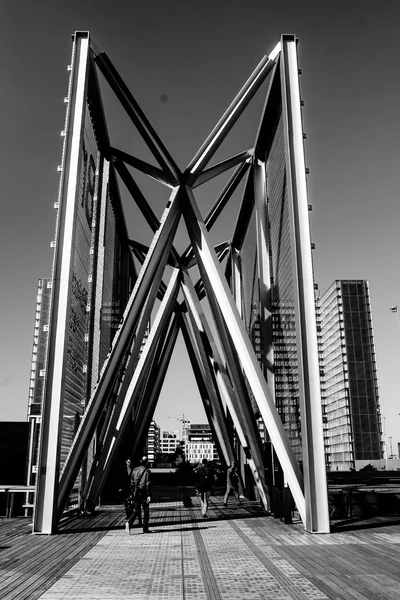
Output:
x=349 y=379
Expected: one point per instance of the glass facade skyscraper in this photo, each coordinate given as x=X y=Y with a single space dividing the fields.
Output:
x=349 y=379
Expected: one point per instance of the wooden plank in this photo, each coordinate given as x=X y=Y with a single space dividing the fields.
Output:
x=323 y=573
x=327 y=565
x=354 y=563
x=301 y=562
x=44 y=559
x=381 y=557
x=26 y=548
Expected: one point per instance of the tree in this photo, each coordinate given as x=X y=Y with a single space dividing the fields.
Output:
x=369 y=467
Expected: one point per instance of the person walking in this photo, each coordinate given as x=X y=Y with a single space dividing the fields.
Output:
x=126 y=491
x=232 y=484
x=141 y=494
x=203 y=478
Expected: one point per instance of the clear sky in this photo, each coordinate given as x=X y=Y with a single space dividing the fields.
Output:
x=184 y=62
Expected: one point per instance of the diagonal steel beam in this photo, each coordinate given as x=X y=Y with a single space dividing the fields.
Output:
x=207 y=387
x=263 y=266
x=222 y=250
x=245 y=212
x=244 y=426
x=220 y=296
x=270 y=116
x=222 y=166
x=156 y=379
x=218 y=426
x=136 y=193
x=218 y=207
x=140 y=251
x=234 y=396
x=138 y=117
x=141 y=202
x=96 y=478
x=129 y=395
x=144 y=167
x=229 y=118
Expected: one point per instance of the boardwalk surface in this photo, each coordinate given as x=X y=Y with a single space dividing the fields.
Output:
x=237 y=553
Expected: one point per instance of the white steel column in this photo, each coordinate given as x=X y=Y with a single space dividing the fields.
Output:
x=317 y=515
x=49 y=456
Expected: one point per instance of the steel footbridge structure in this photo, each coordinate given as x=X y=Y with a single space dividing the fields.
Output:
x=245 y=306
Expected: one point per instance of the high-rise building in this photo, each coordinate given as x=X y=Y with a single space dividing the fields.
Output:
x=349 y=380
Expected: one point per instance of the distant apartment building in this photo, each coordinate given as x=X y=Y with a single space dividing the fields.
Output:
x=349 y=380
x=168 y=441
x=200 y=444
x=153 y=441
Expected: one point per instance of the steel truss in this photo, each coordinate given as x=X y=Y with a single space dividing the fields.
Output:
x=138 y=359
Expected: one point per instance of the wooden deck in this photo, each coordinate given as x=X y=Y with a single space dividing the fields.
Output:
x=360 y=560
x=30 y=564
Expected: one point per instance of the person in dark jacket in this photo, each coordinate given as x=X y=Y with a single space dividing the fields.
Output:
x=127 y=493
x=141 y=493
x=204 y=481
x=232 y=483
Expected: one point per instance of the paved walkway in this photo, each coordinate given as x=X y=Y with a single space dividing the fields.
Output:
x=237 y=553
x=199 y=560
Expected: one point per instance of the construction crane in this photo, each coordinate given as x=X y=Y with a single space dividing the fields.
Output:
x=184 y=423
